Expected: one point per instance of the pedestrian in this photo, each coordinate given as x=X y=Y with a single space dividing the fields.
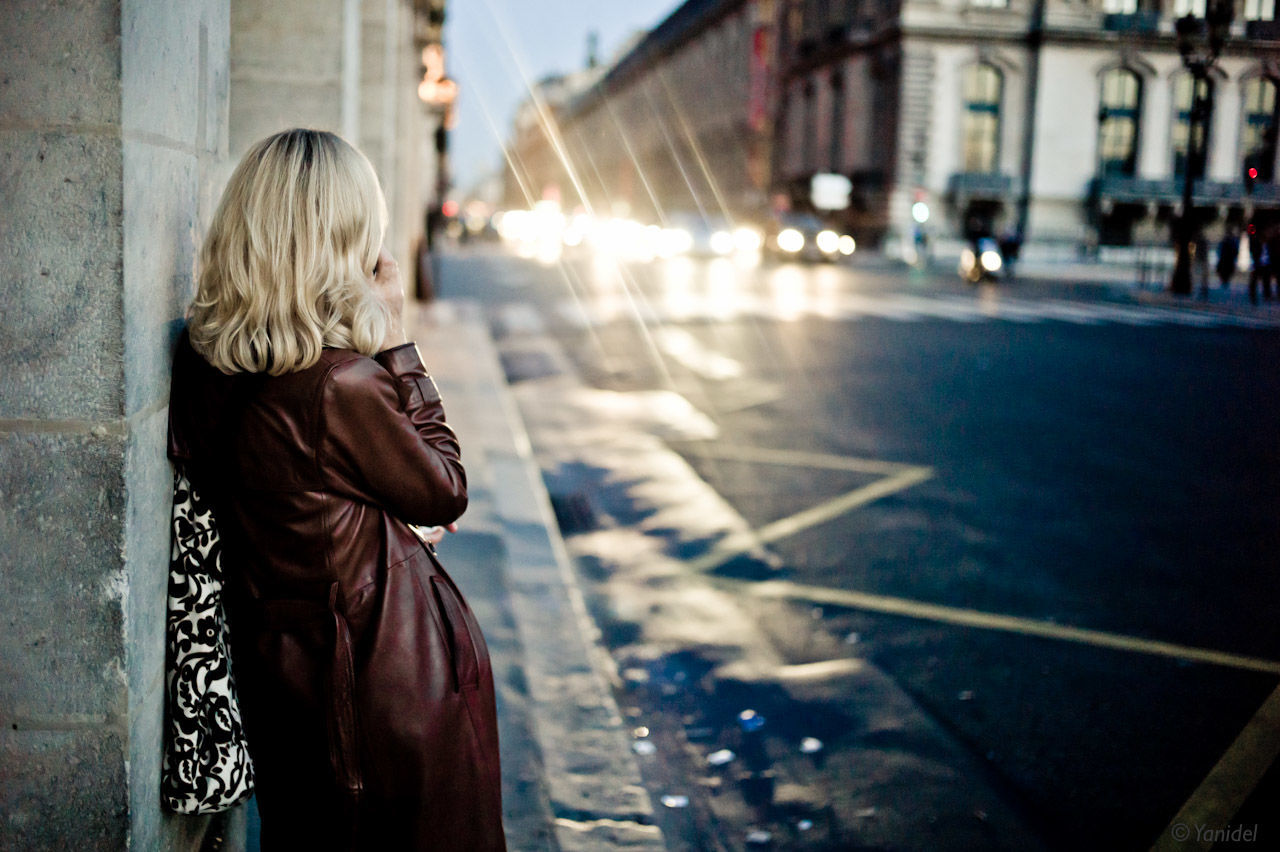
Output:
x=1261 y=272
x=1228 y=257
x=1010 y=247
x=301 y=411
x=1200 y=258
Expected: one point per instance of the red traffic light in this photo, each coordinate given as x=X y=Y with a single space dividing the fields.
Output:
x=1251 y=229
x=1253 y=173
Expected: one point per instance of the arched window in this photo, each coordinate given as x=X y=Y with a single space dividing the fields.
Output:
x=1185 y=88
x=808 y=150
x=836 y=158
x=982 y=89
x=1258 y=136
x=1118 y=117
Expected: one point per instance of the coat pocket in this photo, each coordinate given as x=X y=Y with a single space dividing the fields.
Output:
x=466 y=664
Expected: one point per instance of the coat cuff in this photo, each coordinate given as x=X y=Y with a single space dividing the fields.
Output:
x=401 y=360
x=404 y=362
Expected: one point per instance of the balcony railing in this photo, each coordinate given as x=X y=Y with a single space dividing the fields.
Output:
x=1262 y=30
x=1129 y=190
x=1143 y=21
x=992 y=185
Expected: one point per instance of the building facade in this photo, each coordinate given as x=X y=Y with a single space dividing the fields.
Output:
x=679 y=123
x=1064 y=120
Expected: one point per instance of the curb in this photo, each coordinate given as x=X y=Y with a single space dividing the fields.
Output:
x=591 y=777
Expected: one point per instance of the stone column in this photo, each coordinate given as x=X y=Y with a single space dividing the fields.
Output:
x=112 y=119
x=290 y=67
x=347 y=66
x=1226 y=160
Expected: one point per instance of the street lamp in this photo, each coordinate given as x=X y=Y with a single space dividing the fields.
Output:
x=1200 y=64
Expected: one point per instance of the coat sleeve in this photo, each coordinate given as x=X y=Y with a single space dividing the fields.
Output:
x=384 y=439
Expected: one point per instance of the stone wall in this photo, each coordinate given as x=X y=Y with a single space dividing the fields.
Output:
x=119 y=125
x=112 y=119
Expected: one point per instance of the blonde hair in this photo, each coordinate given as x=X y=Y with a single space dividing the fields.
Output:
x=287 y=266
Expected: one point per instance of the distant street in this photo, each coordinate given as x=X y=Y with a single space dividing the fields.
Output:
x=1051 y=517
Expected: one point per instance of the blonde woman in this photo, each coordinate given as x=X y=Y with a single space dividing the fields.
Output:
x=301 y=410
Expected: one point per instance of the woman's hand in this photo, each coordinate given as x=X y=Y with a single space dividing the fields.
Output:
x=387 y=289
x=435 y=534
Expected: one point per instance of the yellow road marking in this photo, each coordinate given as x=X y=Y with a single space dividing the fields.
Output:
x=1229 y=783
x=1006 y=623
x=800 y=458
x=896 y=478
x=1212 y=805
x=824 y=512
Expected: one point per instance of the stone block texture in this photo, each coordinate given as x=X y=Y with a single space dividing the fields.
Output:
x=60 y=63
x=63 y=789
x=62 y=655
x=60 y=249
x=286 y=68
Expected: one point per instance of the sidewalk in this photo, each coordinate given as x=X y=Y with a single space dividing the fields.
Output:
x=1148 y=286
x=570 y=780
x=1116 y=282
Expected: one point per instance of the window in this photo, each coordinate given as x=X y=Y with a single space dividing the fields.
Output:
x=1188 y=7
x=808 y=152
x=1120 y=7
x=1258 y=138
x=1183 y=102
x=982 y=90
x=989 y=4
x=1259 y=10
x=837 y=122
x=1118 y=117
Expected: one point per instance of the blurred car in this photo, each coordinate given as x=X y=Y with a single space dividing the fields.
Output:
x=713 y=235
x=803 y=236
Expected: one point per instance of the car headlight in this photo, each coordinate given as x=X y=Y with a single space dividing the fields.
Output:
x=991 y=261
x=790 y=240
x=828 y=242
x=674 y=241
x=747 y=239
x=722 y=242
x=847 y=245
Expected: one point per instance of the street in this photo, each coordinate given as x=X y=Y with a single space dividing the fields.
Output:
x=1038 y=522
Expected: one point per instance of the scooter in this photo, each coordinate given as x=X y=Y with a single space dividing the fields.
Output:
x=981 y=262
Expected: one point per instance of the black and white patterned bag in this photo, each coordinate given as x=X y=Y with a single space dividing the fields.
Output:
x=206 y=761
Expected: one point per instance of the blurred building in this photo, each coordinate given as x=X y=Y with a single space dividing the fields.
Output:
x=1066 y=120
x=679 y=122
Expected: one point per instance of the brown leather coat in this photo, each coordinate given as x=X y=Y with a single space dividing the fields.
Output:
x=363 y=678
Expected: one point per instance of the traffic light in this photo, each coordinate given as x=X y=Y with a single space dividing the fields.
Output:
x=1250 y=178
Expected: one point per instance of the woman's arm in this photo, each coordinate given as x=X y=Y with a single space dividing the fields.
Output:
x=384 y=439
x=385 y=431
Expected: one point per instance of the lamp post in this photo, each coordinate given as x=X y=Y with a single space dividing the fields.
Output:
x=1200 y=64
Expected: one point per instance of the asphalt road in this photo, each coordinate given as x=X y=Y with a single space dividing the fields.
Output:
x=1081 y=462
